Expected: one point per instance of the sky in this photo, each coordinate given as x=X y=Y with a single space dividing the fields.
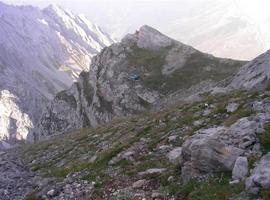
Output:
x=129 y=15
x=189 y=21
x=119 y=17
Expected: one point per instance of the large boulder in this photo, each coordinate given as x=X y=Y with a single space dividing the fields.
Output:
x=260 y=177
x=210 y=155
x=175 y=155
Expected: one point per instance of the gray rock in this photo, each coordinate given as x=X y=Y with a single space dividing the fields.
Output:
x=240 y=169
x=152 y=171
x=139 y=184
x=164 y=149
x=5 y=145
x=158 y=196
x=260 y=176
x=232 y=107
x=172 y=138
x=198 y=123
x=254 y=75
x=51 y=193
x=16 y=180
x=175 y=156
x=188 y=172
x=210 y=155
x=129 y=155
x=234 y=182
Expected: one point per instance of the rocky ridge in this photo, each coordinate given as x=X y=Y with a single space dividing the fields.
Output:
x=254 y=75
x=42 y=52
x=164 y=68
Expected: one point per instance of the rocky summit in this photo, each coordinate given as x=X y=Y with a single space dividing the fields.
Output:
x=146 y=69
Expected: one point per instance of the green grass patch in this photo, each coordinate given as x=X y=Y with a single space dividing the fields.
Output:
x=241 y=112
x=265 y=194
x=265 y=139
x=215 y=188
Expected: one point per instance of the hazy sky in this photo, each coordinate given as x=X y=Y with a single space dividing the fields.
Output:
x=121 y=16
x=203 y=24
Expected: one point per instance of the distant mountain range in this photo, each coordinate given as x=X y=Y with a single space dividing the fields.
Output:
x=41 y=53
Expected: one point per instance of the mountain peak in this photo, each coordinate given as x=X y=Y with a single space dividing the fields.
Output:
x=58 y=10
x=149 y=29
x=149 y=38
x=54 y=7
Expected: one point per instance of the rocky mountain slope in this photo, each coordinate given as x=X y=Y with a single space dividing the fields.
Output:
x=42 y=52
x=130 y=77
x=216 y=148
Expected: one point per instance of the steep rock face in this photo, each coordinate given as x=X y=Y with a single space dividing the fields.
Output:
x=12 y=119
x=41 y=53
x=128 y=78
x=254 y=75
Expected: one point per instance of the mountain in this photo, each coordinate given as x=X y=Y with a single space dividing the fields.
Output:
x=145 y=69
x=215 y=148
x=167 y=134
x=42 y=52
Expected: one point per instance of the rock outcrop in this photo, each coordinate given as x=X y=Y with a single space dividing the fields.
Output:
x=41 y=53
x=260 y=177
x=254 y=75
x=130 y=77
x=220 y=149
x=240 y=169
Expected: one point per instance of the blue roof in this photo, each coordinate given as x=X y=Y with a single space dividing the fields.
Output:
x=134 y=77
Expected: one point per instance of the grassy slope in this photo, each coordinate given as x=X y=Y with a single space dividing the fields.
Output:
x=193 y=72
x=72 y=153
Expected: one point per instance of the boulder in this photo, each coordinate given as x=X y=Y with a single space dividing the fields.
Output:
x=129 y=155
x=209 y=155
x=4 y=145
x=240 y=169
x=172 y=138
x=163 y=149
x=232 y=107
x=260 y=177
x=175 y=156
x=139 y=184
x=152 y=171
x=188 y=172
x=51 y=193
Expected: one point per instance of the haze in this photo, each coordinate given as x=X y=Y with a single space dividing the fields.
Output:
x=191 y=21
